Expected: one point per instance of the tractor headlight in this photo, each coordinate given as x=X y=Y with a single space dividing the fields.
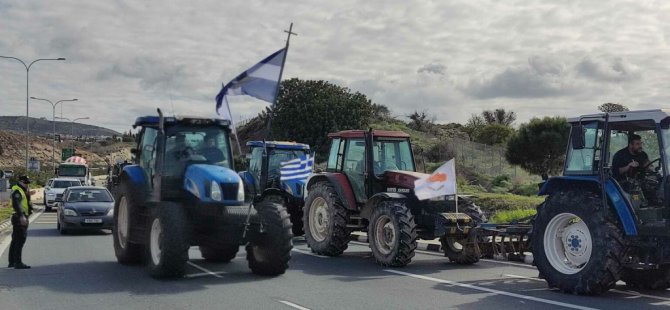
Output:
x=215 y=191
x=240 y=191
x=69 y=212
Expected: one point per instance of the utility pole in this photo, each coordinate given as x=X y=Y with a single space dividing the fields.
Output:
x=53 y=120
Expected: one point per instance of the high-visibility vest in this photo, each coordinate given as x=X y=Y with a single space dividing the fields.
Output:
x=24 y=198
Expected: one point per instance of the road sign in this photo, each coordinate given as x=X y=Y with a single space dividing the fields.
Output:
x=66 y=153
x=34 y=165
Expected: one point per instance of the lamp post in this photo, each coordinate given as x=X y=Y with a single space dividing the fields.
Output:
x=74 y=120
x=27 y=96
x=53 y=120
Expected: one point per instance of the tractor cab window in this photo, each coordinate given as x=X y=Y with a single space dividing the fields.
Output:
x=278 y=156
x=147 y=146
x=193 y=144
x=392 y=154
x=354 y=166
x=582 y=161
x=336 y=154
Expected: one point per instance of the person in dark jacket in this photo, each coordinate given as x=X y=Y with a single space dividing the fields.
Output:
x=22 y=209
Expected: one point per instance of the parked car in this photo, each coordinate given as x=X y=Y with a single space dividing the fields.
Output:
x=85 y=208
x=53 y=191
x=9 y=173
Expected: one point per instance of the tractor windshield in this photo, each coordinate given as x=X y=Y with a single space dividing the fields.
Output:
x=185 y=144
x=392 y=154
x=278 y=156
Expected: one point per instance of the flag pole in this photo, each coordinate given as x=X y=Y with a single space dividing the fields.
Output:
x=456 y=187
x=281 y=72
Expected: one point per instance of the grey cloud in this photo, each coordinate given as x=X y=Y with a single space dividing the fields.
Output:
x=434 y=68
x=612 y=70
x=152 y=73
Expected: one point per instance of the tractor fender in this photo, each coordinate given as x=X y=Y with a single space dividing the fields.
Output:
x=616 y=196
x=273 y=192
x=341 y=184
x=134 y=174
x=376 y=199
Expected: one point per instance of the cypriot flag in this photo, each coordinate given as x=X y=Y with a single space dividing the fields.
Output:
x=442 y=182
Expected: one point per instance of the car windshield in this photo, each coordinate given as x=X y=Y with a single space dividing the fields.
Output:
x=72 y=171
x=65 y=184
x=89 y=195
x=197 y=144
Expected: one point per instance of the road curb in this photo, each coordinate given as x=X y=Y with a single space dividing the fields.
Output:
x=420 y=245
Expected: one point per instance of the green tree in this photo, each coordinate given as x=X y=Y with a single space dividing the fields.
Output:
x=307 y=110
x=419 y=121
x=380 y=112
x=493 y=134
x=612 y=107
x=474 y=125
x=539 y=146
x=499 y=116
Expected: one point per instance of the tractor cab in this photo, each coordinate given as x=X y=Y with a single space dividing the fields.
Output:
x=607 y=218
x=265 y=159
x=373 y=161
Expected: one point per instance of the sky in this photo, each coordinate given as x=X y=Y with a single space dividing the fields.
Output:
x=449 y=59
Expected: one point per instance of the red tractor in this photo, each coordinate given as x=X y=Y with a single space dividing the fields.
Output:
x=368 y=186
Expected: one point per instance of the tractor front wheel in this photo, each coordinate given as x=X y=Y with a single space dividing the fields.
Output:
x=269 y=252
x=392 y=234
x=461 y=251
x=168 y=241
x=576 y=248
x=325 y=221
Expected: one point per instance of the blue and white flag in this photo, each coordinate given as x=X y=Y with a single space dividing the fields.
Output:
x=297 y=169
x=260 y=81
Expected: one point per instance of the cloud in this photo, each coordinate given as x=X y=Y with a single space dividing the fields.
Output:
x=434 y=68
x=608 y=70
x=152 y=73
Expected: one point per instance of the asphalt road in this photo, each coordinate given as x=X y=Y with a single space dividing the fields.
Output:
x=80 y=272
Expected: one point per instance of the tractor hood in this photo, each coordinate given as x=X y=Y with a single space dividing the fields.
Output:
x=404 y=179
x=198 y=181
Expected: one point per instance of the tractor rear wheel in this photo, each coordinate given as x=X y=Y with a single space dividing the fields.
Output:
x=654 y=279
x=126 y=208
x=392 y=234
x=269 y=253
x=294 y=211
x=168 y=241
x=576 y=248
x=325 y=221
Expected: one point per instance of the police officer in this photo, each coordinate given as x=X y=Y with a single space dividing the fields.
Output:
x=22 y=209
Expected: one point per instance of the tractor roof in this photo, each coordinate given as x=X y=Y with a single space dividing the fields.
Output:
x=152 y=121
x=361 y=134
x=629 y=116
x=280 y=145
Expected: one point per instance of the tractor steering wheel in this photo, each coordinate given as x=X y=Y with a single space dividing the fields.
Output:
x=645 y=167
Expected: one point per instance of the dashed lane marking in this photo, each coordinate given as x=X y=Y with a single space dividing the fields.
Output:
x=492 y=291
x=203 y=274
x=293 y=305
x=308 y=253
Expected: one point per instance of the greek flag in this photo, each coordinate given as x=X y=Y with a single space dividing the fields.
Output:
x=297 y=169
x=260 y=81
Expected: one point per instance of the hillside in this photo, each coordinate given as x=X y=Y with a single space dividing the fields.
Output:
x=45 y=127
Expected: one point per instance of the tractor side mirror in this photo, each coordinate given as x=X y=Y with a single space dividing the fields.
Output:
x=577 y=138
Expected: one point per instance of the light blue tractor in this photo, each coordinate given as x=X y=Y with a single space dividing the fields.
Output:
x=607 y=218
x=263 y=178
x=182 y=191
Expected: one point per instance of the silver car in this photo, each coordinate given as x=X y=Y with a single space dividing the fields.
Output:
x=53 y=191
x=85 y=208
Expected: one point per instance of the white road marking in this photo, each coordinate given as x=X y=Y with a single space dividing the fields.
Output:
x=211 y=273
x=202 y=274
x=5 y=243
x=290 y=304
x=630 y=293
x=489 y=290
x=308 y=253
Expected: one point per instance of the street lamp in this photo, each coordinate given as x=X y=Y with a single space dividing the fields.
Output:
x=53 y=120
x=27 y=88
x=74 y=120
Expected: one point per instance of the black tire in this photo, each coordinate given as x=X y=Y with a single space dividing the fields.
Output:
x=336 y=237
x=461 y=251
x=127 y=252
x=219 y=251
x=471 y=209
x=172 y=241
x=394 y=221
x=268 y=253
x=61 y=230
x=47 y=209
x=296 y=220
x=603 y=268
x=654 y=279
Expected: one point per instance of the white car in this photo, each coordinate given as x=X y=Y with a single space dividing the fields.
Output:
x=54 y=189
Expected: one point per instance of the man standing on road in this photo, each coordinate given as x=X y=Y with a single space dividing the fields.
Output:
x=22 y=209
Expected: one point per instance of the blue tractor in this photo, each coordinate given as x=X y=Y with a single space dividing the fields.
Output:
x=182 y=191
x=607 y=217
x=263 y=178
